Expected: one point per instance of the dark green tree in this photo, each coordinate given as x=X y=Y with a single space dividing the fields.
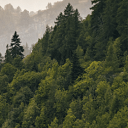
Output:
x=16 y=49
x=8 y=57
x=45 y=40
x=103 y=25
x=76 y=68
x=8 y=70
x=122 y=20
x=59 y=19
x=68 y=10
x=17 y=62
x=65 y=33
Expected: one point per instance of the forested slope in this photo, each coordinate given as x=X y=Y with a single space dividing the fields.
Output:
x=76 y=75
x=31 y=25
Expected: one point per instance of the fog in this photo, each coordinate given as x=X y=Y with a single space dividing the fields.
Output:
x=30 y=26
x=30 y=5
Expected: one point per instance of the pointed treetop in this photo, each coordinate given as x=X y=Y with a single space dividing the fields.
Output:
x=59 y=19
x=16 y=49
x=69 y=10
x=15 y=38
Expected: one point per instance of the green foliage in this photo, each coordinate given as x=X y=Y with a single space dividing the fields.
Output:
x=54 y=123
x=76 y=68
x=3 y=83
x=64 y=75
x=3 y=109
x=30 y=114
x=30 y=79
x=126 y=64
x=23 y=95
x=14 y=117
x=95 y=69
x=61 y=104
x=42 y=120
x=76 y=75
x=89 y=109
x=67 y=29
x=69 y=119
x=8 y=57
x=17 y=62
x=8 y=70
x=122 y=22
x=120 y=119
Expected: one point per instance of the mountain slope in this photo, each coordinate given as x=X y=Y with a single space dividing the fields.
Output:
x=30 y=25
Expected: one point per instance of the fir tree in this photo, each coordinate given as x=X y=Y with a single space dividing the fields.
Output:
x=76 y=68
x=16 y=49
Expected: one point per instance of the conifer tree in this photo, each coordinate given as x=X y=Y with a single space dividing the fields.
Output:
x=8 y=57
x=112 y=56
x=65 y=34
x=45 y=40
x=16 y=49
x=122 y=21
x=69 y=10
x=76 y=68
x=59 y=19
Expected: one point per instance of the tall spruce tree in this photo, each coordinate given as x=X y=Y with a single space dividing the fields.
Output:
x=16 y=49
x=66 y=32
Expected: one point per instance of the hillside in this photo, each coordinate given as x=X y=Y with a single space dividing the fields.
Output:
x=76 y=75
x=31 y=25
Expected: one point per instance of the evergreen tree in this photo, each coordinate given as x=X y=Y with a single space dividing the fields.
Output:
x=16 y=49
x=8 y=57
x=103 y=25
x=45 y=40
x=122 y=20
x=112 y=57
x=59 y=19
x=66 y=31
x=76 y=68
x=68 y=10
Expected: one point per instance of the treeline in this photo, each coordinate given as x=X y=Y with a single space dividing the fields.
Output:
x=31 y=25
x=76 y=75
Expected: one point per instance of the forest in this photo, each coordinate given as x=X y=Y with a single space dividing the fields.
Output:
x=31 y=25
x=76 y=75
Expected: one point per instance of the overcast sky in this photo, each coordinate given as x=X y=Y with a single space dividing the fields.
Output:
x=30 y=5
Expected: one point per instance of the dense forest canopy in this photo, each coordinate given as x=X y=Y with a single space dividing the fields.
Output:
x=76 y=75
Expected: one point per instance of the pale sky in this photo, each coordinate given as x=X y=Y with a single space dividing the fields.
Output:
x=30 y=5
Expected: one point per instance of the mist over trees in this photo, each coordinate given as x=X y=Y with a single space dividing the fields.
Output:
x=31 y=25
